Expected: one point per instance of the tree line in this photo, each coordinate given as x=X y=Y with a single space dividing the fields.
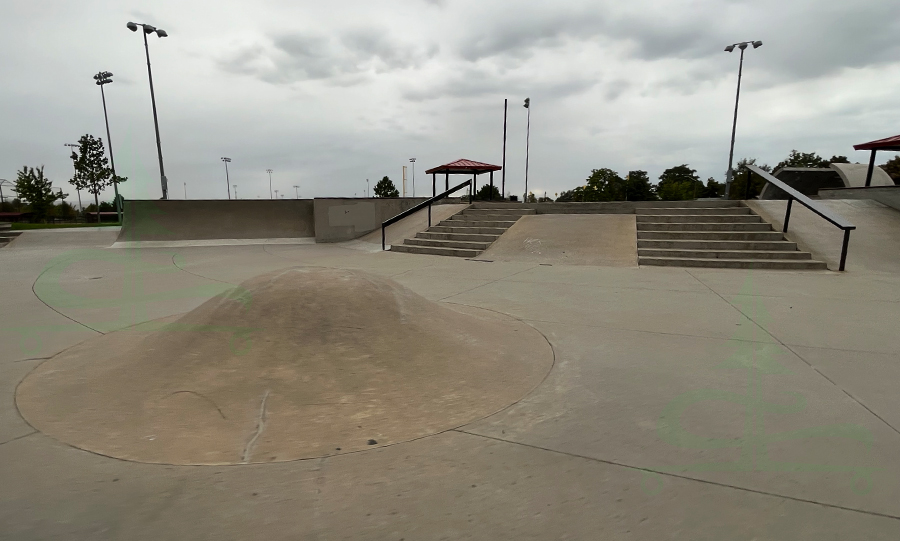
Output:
x=92 y=174
x=681 y=183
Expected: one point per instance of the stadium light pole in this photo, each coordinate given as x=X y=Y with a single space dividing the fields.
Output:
x=227 y=182
x=413 y=162
x=527 y=105
x=148 y=29
x=104 y=78
x=235 y=190
x=276 y=194
x=80 y=206
x=2 y=182
x=729 y=175
x=297 y=189
x=270 y=182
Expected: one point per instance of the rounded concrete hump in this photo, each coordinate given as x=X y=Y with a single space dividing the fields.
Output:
x=300 y=363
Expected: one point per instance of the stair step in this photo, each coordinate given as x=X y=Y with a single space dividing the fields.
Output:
x=711 y=235
x=760 y=226
x=782 y=245
x=434 y=250
x=699 y=218
x=468 y=230
x=481 y=246
x=693 y=210
x=457 y=236
x=722 y=254
x=485 y=217
x=477 y=223
x=499 y=211
x=784 y=264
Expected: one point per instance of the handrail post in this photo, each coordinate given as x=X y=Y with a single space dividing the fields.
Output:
x=787 y=215
x=429 y=215
x=382 y=237
x=844 y=249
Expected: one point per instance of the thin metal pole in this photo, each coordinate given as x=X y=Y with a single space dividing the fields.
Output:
x=527 y=141
x=185 y=190
x=414 y=179
x=227 y=181
x=235 y=190
x=844 y=248
x=433 y=184
x=382 y=238
x=871 y=168
x=446 y=182
x=737 y=99
x=492 y=186
x=270 y=182
x=112 y=160
x=503 y=170
x=429 y=215
x=162 y=170
x=787 y=215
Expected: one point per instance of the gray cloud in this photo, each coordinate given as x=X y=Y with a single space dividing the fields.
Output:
x=345 y=59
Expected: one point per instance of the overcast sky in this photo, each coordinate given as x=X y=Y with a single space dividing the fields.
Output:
x=328 y=94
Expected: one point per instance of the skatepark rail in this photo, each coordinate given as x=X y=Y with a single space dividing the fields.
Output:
x=420 y=206
x=829 y=216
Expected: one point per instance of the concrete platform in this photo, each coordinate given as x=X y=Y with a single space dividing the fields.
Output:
x=698 y=404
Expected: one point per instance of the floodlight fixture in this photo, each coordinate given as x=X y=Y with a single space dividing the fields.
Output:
x=131 y=26
x=757 y=44
x=729 y=48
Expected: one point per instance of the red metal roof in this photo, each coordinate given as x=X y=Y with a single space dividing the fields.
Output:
x=889 y=143
x=464 y=166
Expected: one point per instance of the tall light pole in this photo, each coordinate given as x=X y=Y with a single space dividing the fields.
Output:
x=276 y=194
x=185 y=191
x=413 y=162
x=104 y=78
x=227 y=182
x=297 y=189
x=270 y=182
x=527 y=105
x=2 y=182
x=73 y=146
x=367 y=187
x=729 y=175
x=503 y=167
x=235 y=190
x=148 y=29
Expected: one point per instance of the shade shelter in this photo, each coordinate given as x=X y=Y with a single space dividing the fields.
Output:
x=462 y=167
x=889 y=144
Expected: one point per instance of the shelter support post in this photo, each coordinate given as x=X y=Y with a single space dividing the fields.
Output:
x=871 y=168
x=433 y=184
x=447 y=181
x=492 y=187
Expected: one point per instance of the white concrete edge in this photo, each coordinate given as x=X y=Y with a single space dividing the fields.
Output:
x=362 y=246
x=208 y=242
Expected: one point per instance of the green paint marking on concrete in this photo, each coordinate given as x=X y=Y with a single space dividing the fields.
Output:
x=127 y=307
x=759 y=360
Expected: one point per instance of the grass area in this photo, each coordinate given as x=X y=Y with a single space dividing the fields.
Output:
x=26 y=227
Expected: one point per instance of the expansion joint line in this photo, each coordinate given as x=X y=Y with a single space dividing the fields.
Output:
x=260 y=426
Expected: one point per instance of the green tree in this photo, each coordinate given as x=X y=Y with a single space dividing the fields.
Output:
x=386 y=188
x=638 y=187
x=91 y=168
x=32 y=186
x=484 y=193
x=803 y=159
x=839 y=159
x=679 y=183
x=713 y=188
x=892 y=168
x=741 y=173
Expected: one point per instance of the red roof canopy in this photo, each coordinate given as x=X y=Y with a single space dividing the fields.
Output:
x=889 y=143
x=464 y=166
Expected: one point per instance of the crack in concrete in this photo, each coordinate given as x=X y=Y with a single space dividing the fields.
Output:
x=260 y=426
x=204 y=397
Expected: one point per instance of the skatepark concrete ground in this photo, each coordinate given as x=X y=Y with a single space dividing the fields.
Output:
x=681 y=404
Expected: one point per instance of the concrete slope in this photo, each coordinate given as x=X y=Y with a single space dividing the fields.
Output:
x=175 y=220
x=607 y=240
x=874 y=244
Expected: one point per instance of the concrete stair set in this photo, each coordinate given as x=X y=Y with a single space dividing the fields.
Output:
x=465 y=234
x=6 y=235
x=715 y=236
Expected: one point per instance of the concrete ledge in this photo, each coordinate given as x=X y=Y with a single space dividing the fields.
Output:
x=886 y=195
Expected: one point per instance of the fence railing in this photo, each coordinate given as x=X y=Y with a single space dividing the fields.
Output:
x=423 y=204
x=819 y=209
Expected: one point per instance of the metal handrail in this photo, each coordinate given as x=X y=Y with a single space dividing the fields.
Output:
x=804 y=200
x=420 y=206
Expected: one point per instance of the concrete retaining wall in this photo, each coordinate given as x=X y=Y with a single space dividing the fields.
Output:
x=170 y=220
x=886 y=195
x=340 y=219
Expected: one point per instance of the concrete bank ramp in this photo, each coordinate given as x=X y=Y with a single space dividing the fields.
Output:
x=874 y=245
x=608 y=240
x=298 y=363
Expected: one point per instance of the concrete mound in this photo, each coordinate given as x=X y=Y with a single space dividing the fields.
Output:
x=300 y=363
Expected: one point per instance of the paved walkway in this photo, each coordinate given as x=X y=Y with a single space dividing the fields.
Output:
x=683 y=404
